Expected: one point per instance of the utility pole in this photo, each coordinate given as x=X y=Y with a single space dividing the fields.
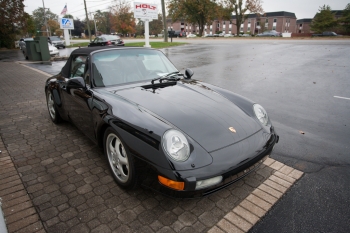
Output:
x=87 y=20
x=94 y=23
x=165 y=30
x=47 y=31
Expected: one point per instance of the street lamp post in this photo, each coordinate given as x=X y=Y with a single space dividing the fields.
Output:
x=95 y=27
x=94 y=22
x=47 y=31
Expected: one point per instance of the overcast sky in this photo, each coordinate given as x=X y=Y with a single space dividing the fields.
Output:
x=301 y=8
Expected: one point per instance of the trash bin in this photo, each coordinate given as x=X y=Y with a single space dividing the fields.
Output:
x=37 y=50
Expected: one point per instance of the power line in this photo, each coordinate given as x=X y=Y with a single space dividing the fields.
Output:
x=127 y=2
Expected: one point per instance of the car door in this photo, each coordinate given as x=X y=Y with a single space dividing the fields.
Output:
x=102 y=41
x=78 y=100
x=98 y=41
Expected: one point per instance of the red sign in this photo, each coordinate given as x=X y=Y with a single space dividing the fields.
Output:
x=145 y=6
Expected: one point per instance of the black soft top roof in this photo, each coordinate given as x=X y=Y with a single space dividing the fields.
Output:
x=87 y=51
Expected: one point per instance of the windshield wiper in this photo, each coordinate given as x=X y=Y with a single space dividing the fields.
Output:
x=169 y=76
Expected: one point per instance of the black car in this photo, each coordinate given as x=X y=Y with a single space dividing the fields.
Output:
x=160 y=128
x=56 y=41
x=176 y=34
x=107 y=40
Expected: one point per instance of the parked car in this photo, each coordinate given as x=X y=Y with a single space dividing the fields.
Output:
x=325 y=34
x=158 y=127
x=107 y=40
x=221 y=34
x=228 y=35
x=271 y=33
x=191 y=36
x=22 y=42
x=53 y=50
x=178 y=34
x=244 y=35
x=208 y=35
x=56 y=41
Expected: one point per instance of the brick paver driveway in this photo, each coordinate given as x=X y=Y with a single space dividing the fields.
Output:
x=68 y=182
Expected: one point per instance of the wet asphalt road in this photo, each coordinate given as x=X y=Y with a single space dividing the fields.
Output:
x=296 y=81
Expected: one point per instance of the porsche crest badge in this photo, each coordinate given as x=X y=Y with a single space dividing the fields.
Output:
x=233 y=130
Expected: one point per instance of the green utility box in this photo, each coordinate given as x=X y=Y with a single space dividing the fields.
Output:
x=38 y=49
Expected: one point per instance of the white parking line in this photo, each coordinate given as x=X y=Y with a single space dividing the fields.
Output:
x=244 y=216
x=339 y=97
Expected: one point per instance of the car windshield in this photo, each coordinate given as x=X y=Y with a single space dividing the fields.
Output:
x=121 y=66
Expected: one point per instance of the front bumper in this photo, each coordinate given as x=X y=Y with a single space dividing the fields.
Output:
x=58 y=45
x=228 y=164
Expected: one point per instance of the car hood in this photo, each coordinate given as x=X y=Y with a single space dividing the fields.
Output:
x=198 y=111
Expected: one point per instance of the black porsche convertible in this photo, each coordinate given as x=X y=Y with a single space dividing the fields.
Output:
x=158 y=127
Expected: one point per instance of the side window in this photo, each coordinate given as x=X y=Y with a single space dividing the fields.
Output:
x=77 y=66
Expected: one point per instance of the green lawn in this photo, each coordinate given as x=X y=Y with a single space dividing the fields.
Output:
x=156 y=45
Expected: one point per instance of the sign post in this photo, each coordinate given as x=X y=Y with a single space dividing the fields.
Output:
x=66 y=24
x=147 y=34
x=146 y=12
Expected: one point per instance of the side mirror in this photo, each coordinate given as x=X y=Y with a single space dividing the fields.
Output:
x=188 y=73
x=76 y=83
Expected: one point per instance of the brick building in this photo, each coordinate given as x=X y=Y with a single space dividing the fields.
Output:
x=303 y=26
x=281 y=21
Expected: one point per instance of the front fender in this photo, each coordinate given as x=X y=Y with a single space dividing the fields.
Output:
x=142 y=132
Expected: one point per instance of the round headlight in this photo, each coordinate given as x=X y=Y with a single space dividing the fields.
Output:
x=261 y=114
x=176 y=145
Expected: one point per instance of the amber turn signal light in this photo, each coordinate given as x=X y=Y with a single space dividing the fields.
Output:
x=171 y=183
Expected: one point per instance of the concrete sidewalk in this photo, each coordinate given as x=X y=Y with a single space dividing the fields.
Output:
x=54 y=179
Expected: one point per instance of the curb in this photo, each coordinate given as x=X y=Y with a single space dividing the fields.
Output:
x=254 y=207
x=18 y=208
x=39 y=71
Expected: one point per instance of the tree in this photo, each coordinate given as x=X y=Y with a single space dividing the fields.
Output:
x=11 y=16
x=324 y=20
x=261 y=25
x=68 y=16
x=242 y=8
x=27 y=26
x=345 y=19
x=54 y=26
x=122 y=19
x=79 y=27
x=140 y=28
x=200 y=12
x=156 y=26
x=39 y=19
x=103 y=21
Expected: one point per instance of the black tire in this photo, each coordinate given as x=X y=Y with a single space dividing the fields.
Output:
x=52 y=108
x=64 y=47
x=120 y=160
